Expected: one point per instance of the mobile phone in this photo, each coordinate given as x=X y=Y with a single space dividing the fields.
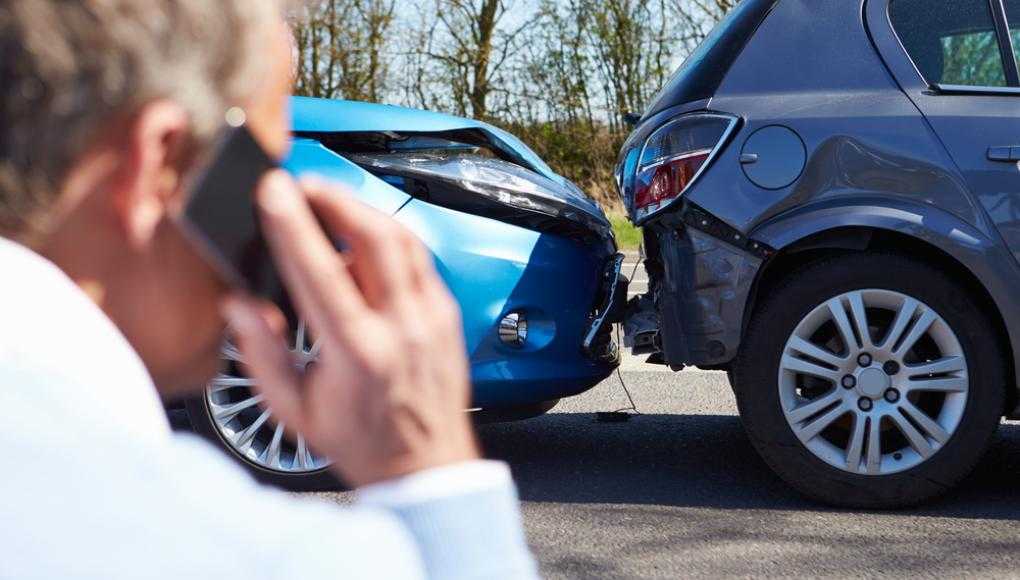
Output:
x=222 y=220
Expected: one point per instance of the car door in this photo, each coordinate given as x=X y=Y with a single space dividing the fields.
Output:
x=956 y=60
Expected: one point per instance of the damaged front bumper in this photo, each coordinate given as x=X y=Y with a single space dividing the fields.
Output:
x=511 y=239
x=598 y=342
x=701 y=273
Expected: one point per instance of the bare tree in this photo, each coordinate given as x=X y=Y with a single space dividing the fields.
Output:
x=557 y=64
x=469 y=45
x=376 y=20
x=341 y=47
x=313 y=37
x=700 y=16
x=632 y=40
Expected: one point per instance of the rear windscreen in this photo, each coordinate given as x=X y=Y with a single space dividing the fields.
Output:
x=702 y=72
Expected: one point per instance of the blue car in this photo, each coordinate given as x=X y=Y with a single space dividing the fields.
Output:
x=530 y=258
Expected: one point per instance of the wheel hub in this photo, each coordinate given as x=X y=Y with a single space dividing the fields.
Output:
x=248 y=428
x=872 y=382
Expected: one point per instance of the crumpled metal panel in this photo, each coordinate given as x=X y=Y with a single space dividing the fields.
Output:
x=473 y=183
x=705 y=287
x=336 y=116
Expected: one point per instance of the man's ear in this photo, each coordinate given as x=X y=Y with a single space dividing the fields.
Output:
x=147 y=180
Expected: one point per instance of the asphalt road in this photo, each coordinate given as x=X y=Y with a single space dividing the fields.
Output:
x=678 y=491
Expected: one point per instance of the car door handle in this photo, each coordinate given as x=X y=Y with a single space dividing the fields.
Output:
x=1006 y=154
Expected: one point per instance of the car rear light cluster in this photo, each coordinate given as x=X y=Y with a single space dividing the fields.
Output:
x=673 y=158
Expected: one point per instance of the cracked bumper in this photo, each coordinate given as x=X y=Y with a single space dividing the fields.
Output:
x=702 y=288
x=598 y=342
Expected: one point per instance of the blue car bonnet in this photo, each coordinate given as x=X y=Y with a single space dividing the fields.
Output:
x=313 y=116
x=331 y=116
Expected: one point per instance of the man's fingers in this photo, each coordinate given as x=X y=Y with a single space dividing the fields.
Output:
x=322 y=288
x=267 y=359
x=423 y=266
x=377 y=243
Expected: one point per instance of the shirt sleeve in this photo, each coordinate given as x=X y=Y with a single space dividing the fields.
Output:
x=464 y=518
x=451 y=523
x=437 y=483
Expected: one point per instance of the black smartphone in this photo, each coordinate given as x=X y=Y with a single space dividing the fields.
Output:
x=221 y=217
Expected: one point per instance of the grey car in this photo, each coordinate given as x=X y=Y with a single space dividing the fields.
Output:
x=830 y=195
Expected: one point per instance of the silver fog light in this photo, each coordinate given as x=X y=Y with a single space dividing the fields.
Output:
x=513 y=329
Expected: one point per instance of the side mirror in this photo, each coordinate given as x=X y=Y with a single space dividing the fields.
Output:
x=632 y=119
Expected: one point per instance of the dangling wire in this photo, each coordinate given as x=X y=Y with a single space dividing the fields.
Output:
x=641 y=256
x=619 y=341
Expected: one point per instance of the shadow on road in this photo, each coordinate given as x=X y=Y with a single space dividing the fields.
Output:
x=698 y=461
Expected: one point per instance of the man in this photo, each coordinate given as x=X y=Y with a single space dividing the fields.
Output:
x=106 y=107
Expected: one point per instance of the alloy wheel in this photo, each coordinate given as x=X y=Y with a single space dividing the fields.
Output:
x=873 y=382
x=248 y=427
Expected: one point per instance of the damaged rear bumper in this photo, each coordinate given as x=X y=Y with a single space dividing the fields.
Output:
x=701 y=274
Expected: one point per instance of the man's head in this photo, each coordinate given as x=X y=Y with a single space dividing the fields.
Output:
x=106 y=106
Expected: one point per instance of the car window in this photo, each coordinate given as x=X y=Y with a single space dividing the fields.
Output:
x=1013 y=16
x=951 y=42
x=701 y=73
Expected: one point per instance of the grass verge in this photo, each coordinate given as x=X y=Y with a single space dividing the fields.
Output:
x=628 y=237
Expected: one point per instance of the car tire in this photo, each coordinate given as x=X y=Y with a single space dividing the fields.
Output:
x=203 y=424
x=230 y=413
x=773 y=396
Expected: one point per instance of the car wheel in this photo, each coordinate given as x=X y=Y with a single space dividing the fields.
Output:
x=231 y=415
x=870 y=380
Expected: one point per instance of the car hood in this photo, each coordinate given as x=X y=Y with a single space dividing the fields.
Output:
x=311 y=115
x=314 y=118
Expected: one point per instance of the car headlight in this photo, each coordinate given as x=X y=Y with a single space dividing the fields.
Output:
x=492 y=188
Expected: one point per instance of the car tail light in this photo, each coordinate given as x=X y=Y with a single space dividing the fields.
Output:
x=673 y=158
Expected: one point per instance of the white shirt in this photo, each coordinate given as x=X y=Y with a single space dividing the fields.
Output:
x=95 y=485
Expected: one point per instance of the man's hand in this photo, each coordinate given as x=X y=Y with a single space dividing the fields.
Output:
x=388 y=393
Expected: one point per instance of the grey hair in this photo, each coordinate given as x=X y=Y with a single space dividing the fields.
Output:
x=70 y=67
